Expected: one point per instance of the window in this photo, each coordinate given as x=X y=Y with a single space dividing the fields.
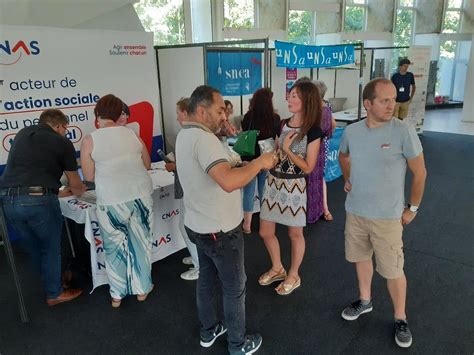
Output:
x=355 y=16
x=452 y=65
x=300 y=27
x=453 y=16
x=452 y=21
x=165 y=18
x=454 y=4
x=239 y=14
x=403 y=30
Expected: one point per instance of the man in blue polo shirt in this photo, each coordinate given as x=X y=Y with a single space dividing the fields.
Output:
x=404 y=82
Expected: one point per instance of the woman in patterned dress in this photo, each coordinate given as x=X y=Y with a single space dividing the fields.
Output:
x=284 y=199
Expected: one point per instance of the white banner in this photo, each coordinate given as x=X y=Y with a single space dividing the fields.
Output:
x=419 y=57
x=42 y=68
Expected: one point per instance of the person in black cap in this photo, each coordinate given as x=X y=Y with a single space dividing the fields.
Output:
x=404 y=81
x=29 y=190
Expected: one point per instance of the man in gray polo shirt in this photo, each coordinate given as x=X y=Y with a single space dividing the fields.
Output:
x=213 y=203
x=374 y=154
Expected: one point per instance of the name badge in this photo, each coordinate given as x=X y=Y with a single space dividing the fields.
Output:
x=402 y=89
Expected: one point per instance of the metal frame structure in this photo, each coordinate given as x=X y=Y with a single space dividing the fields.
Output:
x=357 y=46
x=217 y=46
x=373 y=49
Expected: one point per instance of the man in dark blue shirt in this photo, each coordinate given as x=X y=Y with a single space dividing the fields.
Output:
x=29 y=190
x=404 y=81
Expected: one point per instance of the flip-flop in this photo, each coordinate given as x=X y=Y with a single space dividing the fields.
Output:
x=246 y=231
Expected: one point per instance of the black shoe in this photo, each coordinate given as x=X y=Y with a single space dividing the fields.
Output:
x=216 y=333
x=403 y=336
x=251 y=345
x=354 y=310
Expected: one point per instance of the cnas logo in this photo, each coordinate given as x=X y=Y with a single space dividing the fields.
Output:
x=170 y=214
x=8 y=141
x=11 y=52
x=165 y=239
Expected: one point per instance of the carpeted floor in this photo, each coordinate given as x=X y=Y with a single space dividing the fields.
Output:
x=439 y=251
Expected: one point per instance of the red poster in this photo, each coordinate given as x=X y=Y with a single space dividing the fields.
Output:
x=291 y=74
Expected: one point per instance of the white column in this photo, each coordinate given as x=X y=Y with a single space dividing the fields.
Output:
x=468 y=106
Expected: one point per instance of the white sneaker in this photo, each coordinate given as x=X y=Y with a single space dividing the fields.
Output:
x=188 y=260
x=191 y=274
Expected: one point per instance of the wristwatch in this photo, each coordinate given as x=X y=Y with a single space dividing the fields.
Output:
x=413 y=208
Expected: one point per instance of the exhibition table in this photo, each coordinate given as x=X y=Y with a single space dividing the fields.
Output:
x=167 y=238
x=349 y=116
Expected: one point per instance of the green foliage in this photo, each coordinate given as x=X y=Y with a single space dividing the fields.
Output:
x=448 y=49
x=238 y=14
x=401 y=36
x=354 y=18
x=406 y=3
x=451 y=21
x=299 y=27
x=165 y=18
x=450 y=25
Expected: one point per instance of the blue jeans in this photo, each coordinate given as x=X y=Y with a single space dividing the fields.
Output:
x=38 y=220
x=221 y=258
x=249 y=190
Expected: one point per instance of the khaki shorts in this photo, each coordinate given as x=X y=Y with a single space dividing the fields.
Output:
x=364 y=237
x=401 y=110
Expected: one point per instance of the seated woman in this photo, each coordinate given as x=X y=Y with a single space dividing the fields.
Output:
x=117 y=160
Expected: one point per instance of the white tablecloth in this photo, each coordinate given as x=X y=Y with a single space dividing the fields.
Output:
x=349 y=115
x=167 y=238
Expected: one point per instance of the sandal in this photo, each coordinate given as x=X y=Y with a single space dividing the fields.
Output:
x=285 y=288
x=246 y=231
x=328 y=217
x=116 y=302
x=143 y=297
x=267 y=279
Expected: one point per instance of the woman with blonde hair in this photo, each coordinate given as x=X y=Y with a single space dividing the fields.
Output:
x=193 y=272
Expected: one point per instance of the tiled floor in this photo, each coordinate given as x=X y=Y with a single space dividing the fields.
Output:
x=447 y=121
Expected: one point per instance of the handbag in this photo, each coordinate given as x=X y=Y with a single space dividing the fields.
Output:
x=245 y=144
